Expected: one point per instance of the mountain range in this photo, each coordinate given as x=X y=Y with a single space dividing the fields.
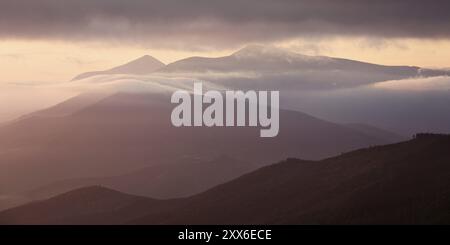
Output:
x=403 y=183
x=113 y=157
x=102 y=141
x=265 y=67
x=394 y=98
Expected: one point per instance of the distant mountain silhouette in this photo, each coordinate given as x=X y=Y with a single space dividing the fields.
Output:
x=270 y=59
x=87 y=202
x=376 y=132
x=265 y=67
x=403 y=183
x=186 y=178
x=143 y=65
x=357 y=93
x=125 y=132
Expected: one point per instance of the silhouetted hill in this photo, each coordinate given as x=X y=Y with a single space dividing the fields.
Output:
x=262 y=67
x=265 y=67
x=125 y=132
x=377 y=132
x=143 y=65
x=403 y=183
x=184 y=178
x=92 y=205
x=269 y=59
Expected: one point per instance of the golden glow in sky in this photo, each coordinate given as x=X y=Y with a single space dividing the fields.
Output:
x=47 y=60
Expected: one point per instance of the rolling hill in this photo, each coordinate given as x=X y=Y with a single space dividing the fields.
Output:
x=125 y=132
x=403 y=183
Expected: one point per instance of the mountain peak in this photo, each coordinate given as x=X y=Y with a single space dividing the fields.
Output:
x=256 y=50
x=146 y=58
x=142 y=65
x=430 y=136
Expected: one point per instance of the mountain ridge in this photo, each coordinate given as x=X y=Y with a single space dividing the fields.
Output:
x=142 y=65
x=402 y=183
x=122 y=133
x=281 y=69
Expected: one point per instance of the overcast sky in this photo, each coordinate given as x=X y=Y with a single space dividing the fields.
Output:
x=382 y=31
x=221 y=23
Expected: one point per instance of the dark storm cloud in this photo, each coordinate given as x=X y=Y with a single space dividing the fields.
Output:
x=226 y=22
